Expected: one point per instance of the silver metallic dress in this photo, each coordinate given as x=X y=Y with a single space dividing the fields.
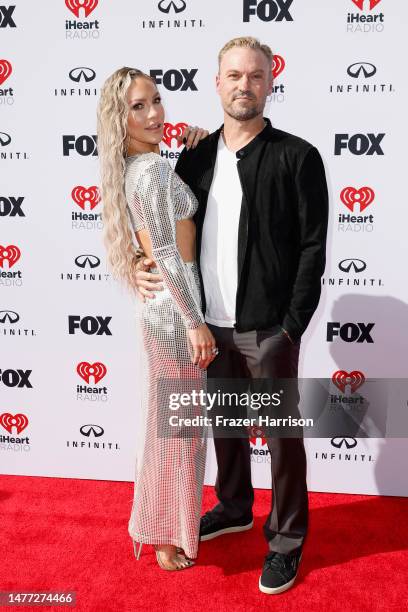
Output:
x=170 y=459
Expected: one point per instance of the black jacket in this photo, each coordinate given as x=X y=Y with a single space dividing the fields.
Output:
x=282 y=228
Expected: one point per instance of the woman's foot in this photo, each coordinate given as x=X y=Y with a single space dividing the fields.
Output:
x=169 y=558
x=180 y=551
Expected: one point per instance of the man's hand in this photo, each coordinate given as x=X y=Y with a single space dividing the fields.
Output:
x=146 y=282
x=191 y=136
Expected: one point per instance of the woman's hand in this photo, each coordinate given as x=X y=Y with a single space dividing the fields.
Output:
x=203 y=343
x=191 y=136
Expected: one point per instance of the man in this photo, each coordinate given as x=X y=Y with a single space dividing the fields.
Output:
x=261 y=234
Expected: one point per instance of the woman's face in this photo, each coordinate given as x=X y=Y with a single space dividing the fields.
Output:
x=146 y=115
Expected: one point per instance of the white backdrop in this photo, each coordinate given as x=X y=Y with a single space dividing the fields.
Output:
x=341 y=72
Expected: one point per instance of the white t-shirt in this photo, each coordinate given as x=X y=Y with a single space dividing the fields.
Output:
x=219 y=244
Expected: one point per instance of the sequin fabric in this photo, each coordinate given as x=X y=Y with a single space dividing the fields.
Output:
x=170 y=463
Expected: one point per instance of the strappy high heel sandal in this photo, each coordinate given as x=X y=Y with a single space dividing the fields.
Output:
x=139 y=550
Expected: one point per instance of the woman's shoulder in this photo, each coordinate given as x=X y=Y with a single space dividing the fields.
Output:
x=147 y=170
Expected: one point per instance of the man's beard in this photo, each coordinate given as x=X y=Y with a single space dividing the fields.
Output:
x=244 y=114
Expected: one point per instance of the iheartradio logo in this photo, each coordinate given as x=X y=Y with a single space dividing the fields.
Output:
x=10 y=253
x=5 y=70
x=341 y=379
x=173 y=131
x=76 y=5
x=278 y=65
x=81 y=195
x=256 y=433
x=362 y=197
x=8 y=421
x=366 y=3
x=86 y=370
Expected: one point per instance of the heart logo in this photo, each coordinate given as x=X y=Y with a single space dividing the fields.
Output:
x=362 y=197
x=11 y=253
x=5 y=70
x=8 y=421
x=173 y=131
x=360 y=3
x=75 y=6
x=256 y=433
x=355 y=379
x=82 y=195
x=86 y=370
x=278 y=65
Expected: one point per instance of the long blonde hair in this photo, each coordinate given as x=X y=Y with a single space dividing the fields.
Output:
x=112 y=118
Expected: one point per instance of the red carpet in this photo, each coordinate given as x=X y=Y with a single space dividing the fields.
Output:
x=66 y=534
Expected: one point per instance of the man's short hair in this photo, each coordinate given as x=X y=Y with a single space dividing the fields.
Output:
x=248 y=42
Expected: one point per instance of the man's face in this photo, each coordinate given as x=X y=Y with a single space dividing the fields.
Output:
x=243 y=82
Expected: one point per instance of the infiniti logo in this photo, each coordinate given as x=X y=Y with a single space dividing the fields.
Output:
x=348 y=442
x=173 y=8
x=92 y=261
x=355 y=70
x=5 y=139
x=357 y=265
x=95 y=430
x=9 y=315
x=165 y=6
x=82 y=73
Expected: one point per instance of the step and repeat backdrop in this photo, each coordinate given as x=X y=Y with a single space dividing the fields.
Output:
x=70 y=375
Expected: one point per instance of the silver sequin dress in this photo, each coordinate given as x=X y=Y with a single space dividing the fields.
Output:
x=171 y=463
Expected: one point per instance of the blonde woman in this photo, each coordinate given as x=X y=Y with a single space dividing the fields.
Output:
x=140 y=190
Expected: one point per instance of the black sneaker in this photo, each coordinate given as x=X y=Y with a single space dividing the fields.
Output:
x=279 y=572
x=212 y=525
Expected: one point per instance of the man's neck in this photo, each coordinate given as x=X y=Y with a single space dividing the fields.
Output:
x=237 y=134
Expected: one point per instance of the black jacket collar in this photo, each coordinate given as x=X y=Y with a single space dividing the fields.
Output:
x=265 y=135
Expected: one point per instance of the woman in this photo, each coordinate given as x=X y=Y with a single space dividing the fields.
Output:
x=140 y=187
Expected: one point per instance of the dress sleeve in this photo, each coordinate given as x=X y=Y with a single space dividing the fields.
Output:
x=154 y=190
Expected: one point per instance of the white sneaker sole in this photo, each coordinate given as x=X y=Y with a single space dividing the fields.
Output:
x=211 y=536
x=277 y=590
